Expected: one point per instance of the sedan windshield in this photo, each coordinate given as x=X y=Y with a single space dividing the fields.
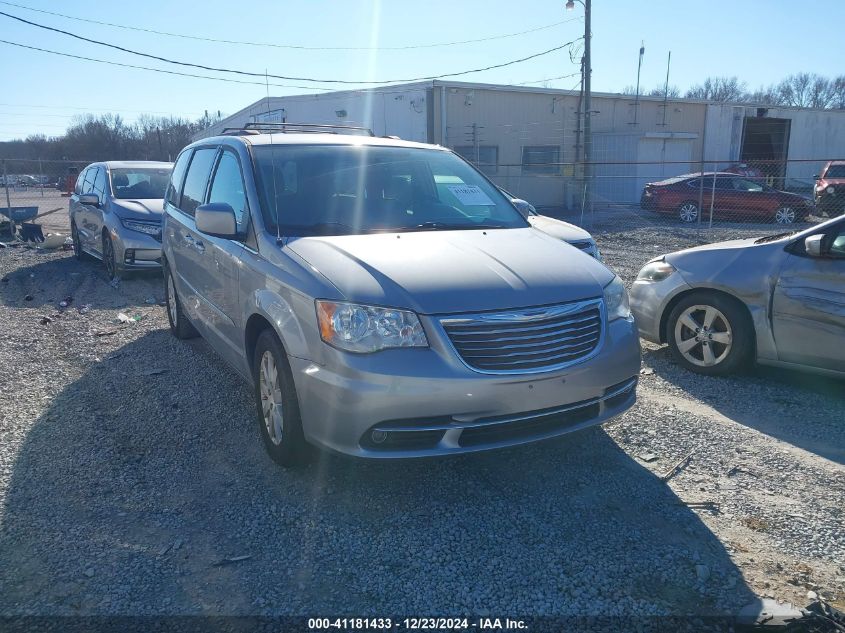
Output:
x=345 y=190
x=143 y=184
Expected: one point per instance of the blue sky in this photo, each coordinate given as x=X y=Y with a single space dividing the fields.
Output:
x=760 y=41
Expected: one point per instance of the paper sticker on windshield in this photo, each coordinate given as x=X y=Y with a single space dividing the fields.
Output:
x=471 y=196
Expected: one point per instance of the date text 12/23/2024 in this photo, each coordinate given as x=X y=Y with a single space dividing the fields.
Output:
x=416 y=624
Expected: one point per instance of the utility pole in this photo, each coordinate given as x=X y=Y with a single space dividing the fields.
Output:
x=588 y=128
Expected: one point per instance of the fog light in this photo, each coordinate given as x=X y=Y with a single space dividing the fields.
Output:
x=129 y=256
x=379 y=437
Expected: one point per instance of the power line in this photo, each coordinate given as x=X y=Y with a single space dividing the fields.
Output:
x=92 y=108
x=156 y=70
x=285 y=77
x=539 y=81
x=292 y=46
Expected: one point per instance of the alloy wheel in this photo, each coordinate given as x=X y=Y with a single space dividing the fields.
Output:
x=703 y=335
x=688 y=212
x=785 y=215
x=271 y=398
x=171 y=301
x=108 y=257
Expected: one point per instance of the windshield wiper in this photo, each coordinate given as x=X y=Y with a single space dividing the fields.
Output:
x=318 y=228
x=774 y=238
x=446 y=226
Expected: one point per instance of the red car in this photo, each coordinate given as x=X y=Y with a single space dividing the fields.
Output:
x=830 y=188
x=734 y=198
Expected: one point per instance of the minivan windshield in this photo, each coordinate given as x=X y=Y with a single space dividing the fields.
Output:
x=353 y=189
x=139 y=183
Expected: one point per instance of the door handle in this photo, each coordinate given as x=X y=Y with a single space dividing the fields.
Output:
x=188 y=240
x=199 y=246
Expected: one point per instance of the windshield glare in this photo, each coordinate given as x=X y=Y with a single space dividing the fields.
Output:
x=139 y=183
x=343 y=190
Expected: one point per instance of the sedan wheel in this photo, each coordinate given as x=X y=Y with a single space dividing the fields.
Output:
x=703 y=335
x=710 y=333
x=785 y=215
x=688 y=212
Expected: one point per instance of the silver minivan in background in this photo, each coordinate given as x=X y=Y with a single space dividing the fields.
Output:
x=385 y=299
x=115 y=214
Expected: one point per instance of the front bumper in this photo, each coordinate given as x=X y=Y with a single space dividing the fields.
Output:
x=649 y=300
x=425 y=402
x=136 y=251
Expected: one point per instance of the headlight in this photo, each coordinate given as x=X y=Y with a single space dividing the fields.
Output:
x=656 y=271
x=830 y=189
x=616 y=300
x=359 y=328
x=149 y=228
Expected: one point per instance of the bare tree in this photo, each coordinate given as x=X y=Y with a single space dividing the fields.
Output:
x=807 y=90
x=673 y=92
x=838 y=100
x=723 y=89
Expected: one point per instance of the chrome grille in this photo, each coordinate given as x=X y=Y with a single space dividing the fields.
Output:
x=530 y=340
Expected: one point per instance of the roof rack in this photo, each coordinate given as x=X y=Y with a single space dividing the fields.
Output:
x=287 y=128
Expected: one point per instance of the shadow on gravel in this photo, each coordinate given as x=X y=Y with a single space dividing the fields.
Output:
x=50 y=279
x=803 y=409
x=141 y=495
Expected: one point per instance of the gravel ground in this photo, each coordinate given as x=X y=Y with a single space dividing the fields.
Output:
x=131 y=476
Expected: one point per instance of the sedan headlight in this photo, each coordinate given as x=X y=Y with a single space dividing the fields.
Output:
x=656 y=271
x=830 y=190
x=150 y=228
x=616 y=300
x=363 y=329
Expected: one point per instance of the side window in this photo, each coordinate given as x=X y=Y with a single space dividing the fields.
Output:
x=724 y=182
x=541 y=159
x=88 y=182
x=80 y=179
x=172 y=195
x=228 y=186
x=100 y=183
x=837 y=242
x=196 y=180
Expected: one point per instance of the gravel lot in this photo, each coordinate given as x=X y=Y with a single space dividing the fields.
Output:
x=131 y=472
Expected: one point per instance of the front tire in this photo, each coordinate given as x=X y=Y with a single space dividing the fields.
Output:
x=109 y=258
x=279 y=420
x=688 y=212
x=710 y=334
x=180 y=326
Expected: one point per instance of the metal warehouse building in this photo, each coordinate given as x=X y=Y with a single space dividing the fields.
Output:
x=530 y=140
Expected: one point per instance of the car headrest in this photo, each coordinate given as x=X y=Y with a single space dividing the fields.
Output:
x=120 y=180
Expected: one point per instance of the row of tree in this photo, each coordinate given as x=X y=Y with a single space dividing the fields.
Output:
x=805 y=90
x=109 y=137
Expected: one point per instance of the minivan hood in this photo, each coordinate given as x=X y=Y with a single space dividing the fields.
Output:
x=149 y=209
x=559 y=229
x=441 y=272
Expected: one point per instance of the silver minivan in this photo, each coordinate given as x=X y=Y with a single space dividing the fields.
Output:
x=385 y=299
x=115 y=214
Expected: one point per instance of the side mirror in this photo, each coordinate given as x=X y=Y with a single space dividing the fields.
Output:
x=813 y=245
x=216 y=219
x=91 y=199
x=522 y=206
x=815 y=176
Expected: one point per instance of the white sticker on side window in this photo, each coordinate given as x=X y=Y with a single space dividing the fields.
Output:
x=471 y=196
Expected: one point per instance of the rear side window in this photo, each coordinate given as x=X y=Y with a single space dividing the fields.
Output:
x=172 y=194
x=196 y=180
x=77 y=189
x=228 y=186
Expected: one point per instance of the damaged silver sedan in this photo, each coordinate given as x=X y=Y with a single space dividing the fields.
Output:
x=779 y=300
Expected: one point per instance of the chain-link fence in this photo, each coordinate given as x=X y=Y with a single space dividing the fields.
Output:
x=616 y=196
x=36 y=191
